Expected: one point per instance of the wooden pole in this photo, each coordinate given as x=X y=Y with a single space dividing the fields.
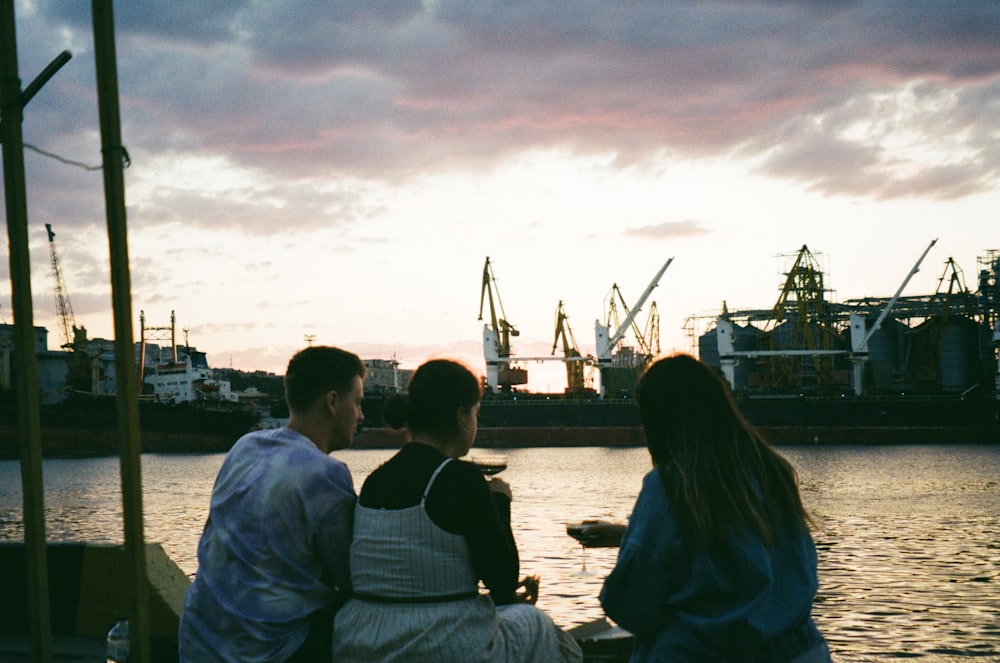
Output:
x=29 y=433
x=114 y=157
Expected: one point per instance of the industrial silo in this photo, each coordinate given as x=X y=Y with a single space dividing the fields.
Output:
x=745 y=339
x=888 y=350
x=944 y=354
x=959 y=354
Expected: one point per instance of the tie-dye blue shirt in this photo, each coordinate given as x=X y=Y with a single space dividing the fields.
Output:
x=274 y=549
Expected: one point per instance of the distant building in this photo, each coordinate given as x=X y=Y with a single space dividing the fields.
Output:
x=385 y=376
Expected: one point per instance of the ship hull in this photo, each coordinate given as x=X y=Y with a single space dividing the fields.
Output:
x=541 y=422
x=90 y=428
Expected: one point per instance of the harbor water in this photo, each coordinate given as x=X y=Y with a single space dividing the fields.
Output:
x=908 y=536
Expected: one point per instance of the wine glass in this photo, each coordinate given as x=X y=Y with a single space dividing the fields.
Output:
x=489 y=464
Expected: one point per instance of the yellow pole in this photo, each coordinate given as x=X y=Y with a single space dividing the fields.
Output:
x=114 y=156
x=29 y=434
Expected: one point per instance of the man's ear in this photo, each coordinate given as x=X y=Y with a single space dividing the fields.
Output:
x=331 y=400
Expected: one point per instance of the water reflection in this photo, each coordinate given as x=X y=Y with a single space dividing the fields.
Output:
x=908 y=540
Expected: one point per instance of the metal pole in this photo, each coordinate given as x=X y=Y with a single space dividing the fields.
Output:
x=29 y=433
x=113 y=156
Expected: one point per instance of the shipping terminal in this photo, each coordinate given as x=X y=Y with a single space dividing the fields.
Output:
x=807 y=370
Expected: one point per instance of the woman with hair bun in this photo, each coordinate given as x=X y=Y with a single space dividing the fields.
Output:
x=717 y=562
x=428 y=529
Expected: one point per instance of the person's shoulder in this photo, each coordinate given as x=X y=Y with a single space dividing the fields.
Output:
x=249 y=439
x=655 y=485
x=463 y=468
x=251 y=448
x=322 y=473
x=335 y=467
x=656 y=477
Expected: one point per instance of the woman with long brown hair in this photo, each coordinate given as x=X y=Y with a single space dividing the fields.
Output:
x=717 y=562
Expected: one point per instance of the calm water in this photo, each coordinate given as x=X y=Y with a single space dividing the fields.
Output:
x=909 y=540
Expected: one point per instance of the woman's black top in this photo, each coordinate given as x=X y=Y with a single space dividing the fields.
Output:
x=459 y=502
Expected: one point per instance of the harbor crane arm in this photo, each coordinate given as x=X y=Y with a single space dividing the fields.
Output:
x=64 y=308
x=626 y=324
x=503 y=329
x=565 y=333
x=487 y=289
x=575 y=381
x=888 y=307
x=649 y=338
x=496 y=338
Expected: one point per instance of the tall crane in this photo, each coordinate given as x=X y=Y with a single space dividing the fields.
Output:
x=575 y=382
x=496 y=337
x=951 y=297
x=83 y=371
x=619 y=365
x=651 y=336
x=606 y=342
x=648 y=338
x=801 y=319
x=64 y=308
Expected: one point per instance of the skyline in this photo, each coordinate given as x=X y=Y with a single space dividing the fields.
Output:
x=344 y=171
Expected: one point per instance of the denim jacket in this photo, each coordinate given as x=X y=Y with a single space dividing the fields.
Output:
x=684 y=604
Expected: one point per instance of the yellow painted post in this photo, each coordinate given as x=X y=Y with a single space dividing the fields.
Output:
x=29 y=433
x=114 y=155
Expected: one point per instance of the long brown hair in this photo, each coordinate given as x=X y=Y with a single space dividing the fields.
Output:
x=724 y=478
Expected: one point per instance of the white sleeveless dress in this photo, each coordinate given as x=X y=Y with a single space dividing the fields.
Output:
x=416 y=598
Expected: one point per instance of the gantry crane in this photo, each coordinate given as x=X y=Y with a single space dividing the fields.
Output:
x=575 y=381
x=496 y=338
x=800 y=319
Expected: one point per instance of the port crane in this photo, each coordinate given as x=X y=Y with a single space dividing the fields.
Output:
x=951 y=297
x=606 y=342
x=575 y=380
x=801 y=318
x=648 y=339
x=64 y=308
x=618 y=365
x=496 y=337
x=83 y=369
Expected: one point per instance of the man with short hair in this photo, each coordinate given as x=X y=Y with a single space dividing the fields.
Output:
x=273 y=558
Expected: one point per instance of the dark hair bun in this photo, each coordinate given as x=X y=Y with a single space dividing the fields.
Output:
x=396 y=411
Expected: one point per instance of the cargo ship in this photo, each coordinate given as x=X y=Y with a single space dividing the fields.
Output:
x=184 y=406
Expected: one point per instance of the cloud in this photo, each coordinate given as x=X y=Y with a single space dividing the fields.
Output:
x=668 y=230
x=384 y=92
x=919 y=140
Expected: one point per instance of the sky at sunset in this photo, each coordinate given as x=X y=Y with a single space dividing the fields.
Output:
x=342 y=170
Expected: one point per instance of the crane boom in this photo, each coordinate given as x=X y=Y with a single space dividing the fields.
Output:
x=574 y=363
x=623 y=329
x=64 y=308
x=496 y=337
x=888 y=307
